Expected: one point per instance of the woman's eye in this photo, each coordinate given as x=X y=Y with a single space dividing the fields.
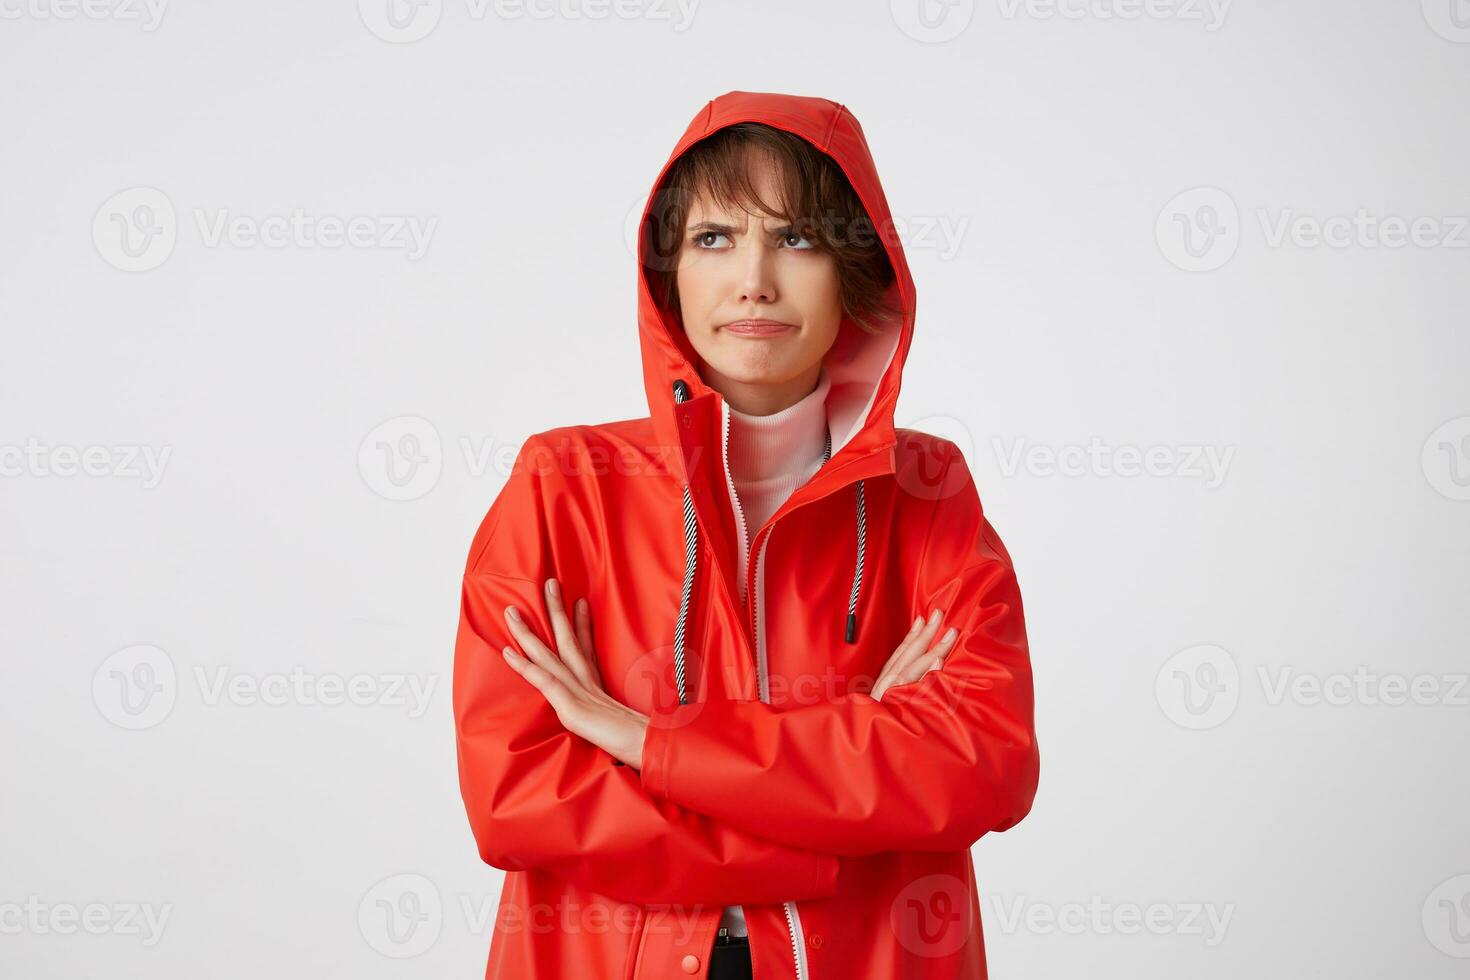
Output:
x=702 y=239
x=801 y=241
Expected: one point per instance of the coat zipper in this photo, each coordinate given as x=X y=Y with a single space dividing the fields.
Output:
x=730 y=483
x=753 y=591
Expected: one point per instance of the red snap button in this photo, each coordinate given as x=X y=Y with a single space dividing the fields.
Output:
x=690 y=964
x=816 y=940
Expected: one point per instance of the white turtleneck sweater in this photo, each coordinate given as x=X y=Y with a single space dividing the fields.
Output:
x=770 y=456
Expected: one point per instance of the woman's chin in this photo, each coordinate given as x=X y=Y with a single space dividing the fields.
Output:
x=763 y=373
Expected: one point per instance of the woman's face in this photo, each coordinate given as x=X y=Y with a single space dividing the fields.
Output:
x=761 y=306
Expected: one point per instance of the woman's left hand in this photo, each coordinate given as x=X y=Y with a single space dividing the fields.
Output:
x=570 y=680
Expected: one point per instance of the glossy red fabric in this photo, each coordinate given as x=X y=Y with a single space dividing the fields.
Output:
x=842 y=824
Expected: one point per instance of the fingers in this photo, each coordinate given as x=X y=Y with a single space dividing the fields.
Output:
x=921 y=642
x=572 y=653
x=534 y=650
x=925 y=639
x=915 y=628
x=901 y=654
x=945 y=644
x=918 y=658
x=932 y=660
x=582 y=616
x=915 y=643
x=582 y=619
x=550 y=686
x=561 y=628
x=573 y=661
x=896 y=660
x=591 y=715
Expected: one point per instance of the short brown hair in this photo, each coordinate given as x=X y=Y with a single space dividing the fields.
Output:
x=817 y=200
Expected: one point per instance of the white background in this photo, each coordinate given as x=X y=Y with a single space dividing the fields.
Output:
x=1039 y=153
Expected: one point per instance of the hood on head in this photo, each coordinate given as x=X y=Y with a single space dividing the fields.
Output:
x=864 y=369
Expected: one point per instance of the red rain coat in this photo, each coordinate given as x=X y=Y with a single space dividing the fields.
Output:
x=842 y=824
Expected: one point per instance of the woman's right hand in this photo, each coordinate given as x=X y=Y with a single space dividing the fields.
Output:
x=914 y=656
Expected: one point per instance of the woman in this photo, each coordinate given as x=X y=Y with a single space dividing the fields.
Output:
x=768 y=759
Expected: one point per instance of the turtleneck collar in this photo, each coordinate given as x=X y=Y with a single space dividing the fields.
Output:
x=781 y=446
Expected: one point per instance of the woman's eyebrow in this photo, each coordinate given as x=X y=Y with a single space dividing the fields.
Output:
x=724 y=229
x=714 y=226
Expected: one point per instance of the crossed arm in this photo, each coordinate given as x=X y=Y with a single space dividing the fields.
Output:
x=734 y=802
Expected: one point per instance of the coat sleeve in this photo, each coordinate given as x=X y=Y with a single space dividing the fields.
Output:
x=933 y=766
x=539 y=797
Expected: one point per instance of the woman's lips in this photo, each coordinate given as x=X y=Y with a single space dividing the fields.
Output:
x=757 y=328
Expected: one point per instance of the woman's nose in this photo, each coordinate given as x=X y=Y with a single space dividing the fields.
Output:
x=757 y=283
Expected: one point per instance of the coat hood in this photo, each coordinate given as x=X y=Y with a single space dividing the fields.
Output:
x=864 y=369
